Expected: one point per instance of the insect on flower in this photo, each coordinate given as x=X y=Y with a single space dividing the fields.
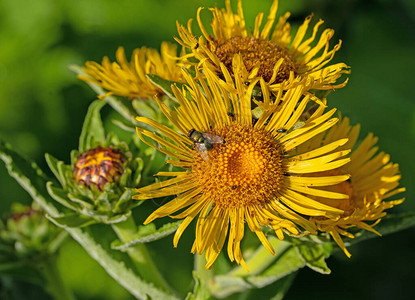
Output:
x=203 y=141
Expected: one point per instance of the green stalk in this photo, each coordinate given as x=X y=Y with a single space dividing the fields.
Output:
x=204 y=278
x=261 y=259
x=53 y=280
x=139 y=254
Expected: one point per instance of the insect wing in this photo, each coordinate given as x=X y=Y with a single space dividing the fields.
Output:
x=201 y=148
x=214 y=139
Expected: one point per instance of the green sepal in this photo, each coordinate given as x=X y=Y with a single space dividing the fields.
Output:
x=139 y=168
x=117 y=218
x=314 y=256
x=93 y=129
x=112 y=139
x=124 y=179
x=124 y=202
x=164 y=85
x=72 y=220
x=55 y=166
x=61 y=196
x=82 y=200
x=147 y=233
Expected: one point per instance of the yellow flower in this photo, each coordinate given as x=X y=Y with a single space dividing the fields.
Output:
x=128 y=79
x=237 y=168
x=373 y=179
x=271 y=54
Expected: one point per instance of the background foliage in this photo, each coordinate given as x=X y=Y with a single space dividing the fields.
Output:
x=42 y=106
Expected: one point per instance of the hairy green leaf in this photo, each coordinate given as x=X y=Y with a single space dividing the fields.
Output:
x=72 y=220
x=314 y=256
x=92 y=130
x=147 y=233
x=116 y=264
x=287 y=262
x=29 y=176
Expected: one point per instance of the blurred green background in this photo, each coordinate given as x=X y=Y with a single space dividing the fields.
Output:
x=42 y=106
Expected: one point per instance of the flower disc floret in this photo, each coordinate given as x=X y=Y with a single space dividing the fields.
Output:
x=245 y=170
x=267 y=51
x=256 y=53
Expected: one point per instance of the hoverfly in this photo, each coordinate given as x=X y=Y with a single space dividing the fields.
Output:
x=203 y=141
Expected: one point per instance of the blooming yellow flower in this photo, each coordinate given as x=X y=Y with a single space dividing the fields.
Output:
x=373 y=179
x=271 y=54
x=237 y=168
x=129 y=79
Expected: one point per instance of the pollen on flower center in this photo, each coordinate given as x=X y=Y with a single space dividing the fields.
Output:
x=256 y=52
x=247 y=169
x=241 y=162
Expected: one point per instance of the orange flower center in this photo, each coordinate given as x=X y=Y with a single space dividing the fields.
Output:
x=98 y=166
x=256 y=52
x=246 y=169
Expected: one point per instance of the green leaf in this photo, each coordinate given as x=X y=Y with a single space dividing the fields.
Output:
x=116 y=264
x=314 y=256
x=123 y=126
x=92 y=130
x=29 y=176
x=288 y=262
x=164 y=85
x=61 y=196
x=389 y=224
x=147 y=233
x=147 y=108
x=54 y=165
x=125 y=200
x=200 y=291
x=261 y=258
x=72 y=220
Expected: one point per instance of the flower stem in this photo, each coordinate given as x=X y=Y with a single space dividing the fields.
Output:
x=139 y=254
x=53 y=280
x=261 y=259
x=204 y=278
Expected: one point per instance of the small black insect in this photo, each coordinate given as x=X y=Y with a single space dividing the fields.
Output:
x=234 y=187
x=281 y=130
